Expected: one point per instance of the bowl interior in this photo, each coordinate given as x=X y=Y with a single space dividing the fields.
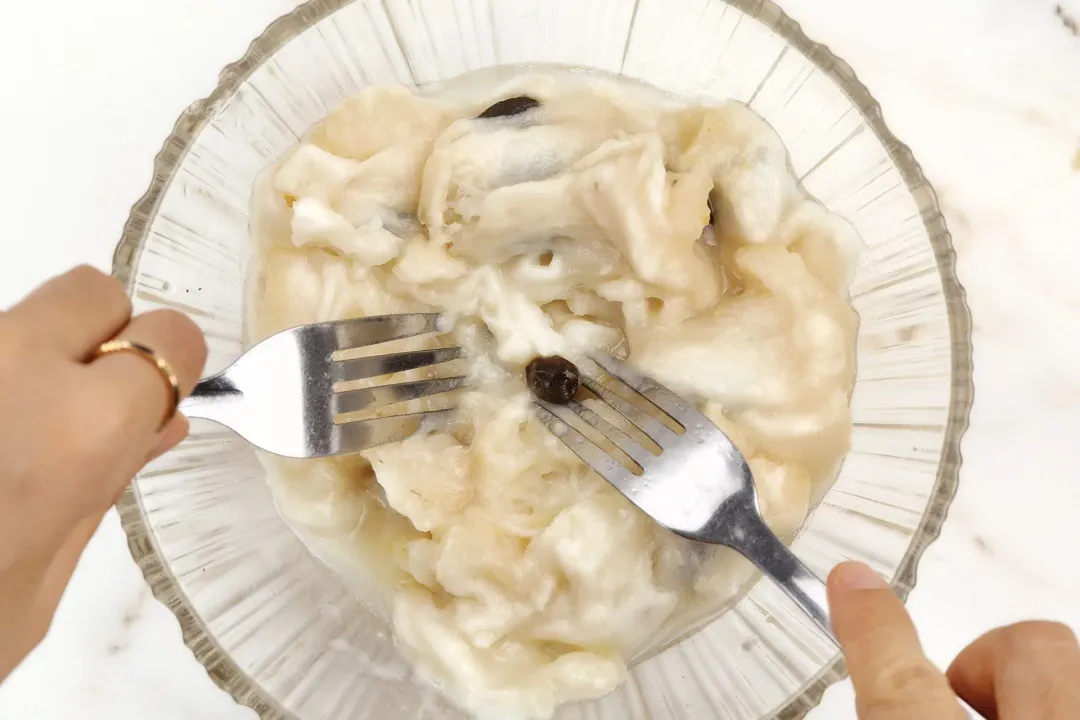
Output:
x=282 y=633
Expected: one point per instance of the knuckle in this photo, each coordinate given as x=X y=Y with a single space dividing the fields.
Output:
x=179 y=326
x=1058 y=696
x=85 y=273
x=899 y=681
x=117 y=298
x=105 y=290
x=1038 y=635
x=182 y=342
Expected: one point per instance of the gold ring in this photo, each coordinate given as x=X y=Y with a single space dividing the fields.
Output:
x=163 y=366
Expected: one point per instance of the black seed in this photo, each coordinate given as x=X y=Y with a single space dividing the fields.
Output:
x=509 y=107
x=712 y=212
x=553 y=379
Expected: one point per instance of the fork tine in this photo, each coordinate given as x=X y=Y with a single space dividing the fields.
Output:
x=604 y=464
x=360 y=332
x=656 y=393
x=617 y=437
x=357 y=400
x=363 y=434
x=661 y=434
x=366 y=367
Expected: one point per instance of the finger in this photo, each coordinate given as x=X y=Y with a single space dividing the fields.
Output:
x=173 y=434
x=137 y=385
x=1030 y=669
x=125 y=399
x=76 y=311
x=892 y=677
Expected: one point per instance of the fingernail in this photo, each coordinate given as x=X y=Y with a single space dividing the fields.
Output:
x=856 y=576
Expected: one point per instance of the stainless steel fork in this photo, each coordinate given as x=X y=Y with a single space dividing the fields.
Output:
x=697 y=484
x=694 y=481
x=283 y=395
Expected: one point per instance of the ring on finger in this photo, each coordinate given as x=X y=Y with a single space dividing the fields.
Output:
x=166 y=371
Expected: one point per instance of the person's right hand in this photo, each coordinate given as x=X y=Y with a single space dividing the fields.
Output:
x=1029 y=671
x=74 y=428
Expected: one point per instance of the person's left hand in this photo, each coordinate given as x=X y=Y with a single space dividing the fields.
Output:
x=73 y=432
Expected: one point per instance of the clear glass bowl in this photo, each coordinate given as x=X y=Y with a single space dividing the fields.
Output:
x=278 y=630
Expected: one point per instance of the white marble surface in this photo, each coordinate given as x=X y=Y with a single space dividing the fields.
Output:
x=987 y=93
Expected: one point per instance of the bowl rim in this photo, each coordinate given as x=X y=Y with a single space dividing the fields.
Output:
x=225 y=673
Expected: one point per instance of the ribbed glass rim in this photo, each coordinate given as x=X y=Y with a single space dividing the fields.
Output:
x=220 y=667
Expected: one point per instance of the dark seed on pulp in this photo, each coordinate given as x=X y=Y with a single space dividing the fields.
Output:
x=553 y=379
x=509 y=107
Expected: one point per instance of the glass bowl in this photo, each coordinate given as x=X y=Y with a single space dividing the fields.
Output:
x=278 y=630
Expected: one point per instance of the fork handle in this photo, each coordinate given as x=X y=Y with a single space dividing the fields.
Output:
x=750 y=536
x=753 y=538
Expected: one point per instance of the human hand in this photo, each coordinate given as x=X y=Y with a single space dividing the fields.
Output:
x=1029 y=671
x=73 y=432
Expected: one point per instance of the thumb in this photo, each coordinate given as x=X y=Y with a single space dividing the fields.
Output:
x=892 y=677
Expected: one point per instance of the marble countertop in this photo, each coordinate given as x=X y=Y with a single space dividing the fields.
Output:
x=986 y=92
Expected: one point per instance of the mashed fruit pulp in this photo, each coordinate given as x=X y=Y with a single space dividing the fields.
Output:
x=555 y=217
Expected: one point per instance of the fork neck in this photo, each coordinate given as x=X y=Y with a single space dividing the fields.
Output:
x=741 y=527
x=212 y=399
